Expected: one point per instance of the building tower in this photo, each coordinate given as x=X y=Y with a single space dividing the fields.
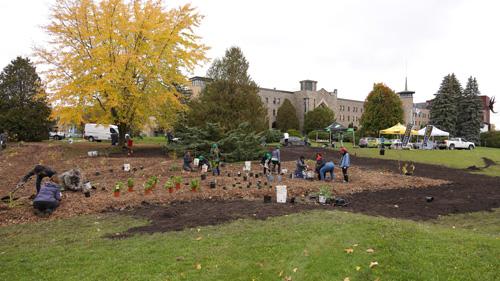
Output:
x=407 y=101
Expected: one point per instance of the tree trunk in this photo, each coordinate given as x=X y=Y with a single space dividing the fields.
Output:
x=123 y=129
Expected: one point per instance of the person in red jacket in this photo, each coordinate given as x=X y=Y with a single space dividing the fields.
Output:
x=130 y=144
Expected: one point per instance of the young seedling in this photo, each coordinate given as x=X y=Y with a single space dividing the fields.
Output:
x=148 y=187
x=130 y=184
x=154 y=181
x=117 y=188
x=177 y=181
x=169 y=185
x=324 y=194
x=195 y=185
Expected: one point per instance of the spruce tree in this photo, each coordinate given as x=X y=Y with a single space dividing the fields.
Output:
x=24 y=111
x=444 y=107
x=231 y=98
x=286 y=117
x=470 y=112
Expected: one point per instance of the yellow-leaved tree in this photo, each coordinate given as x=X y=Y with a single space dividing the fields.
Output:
x=120 y=62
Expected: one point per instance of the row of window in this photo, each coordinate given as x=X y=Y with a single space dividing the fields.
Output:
x=275 y=100
x=349 y=118
x=420 y=115
x=354 y=109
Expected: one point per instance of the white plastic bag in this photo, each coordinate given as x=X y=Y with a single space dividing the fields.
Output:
x=281 y=193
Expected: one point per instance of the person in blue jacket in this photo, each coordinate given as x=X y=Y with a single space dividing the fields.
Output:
x=328 y=167
x=345 y=162
x=48 y=198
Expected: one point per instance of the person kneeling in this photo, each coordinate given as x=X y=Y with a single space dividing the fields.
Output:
x=300 y=170
x=47 y=200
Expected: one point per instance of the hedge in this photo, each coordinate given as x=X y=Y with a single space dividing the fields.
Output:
x=273 y=135
x=322 y=135
x=294 y=133
x=491 y=139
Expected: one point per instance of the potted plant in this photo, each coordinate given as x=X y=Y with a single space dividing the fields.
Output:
x=154 y=181
x=324 y=194
x=116 y=189
x=195 y=185
x=169 y=185
x=148 y=187
x=245 y=177
x=203 y=176
x=130 y=184
x=177 y=181
x=213 y=184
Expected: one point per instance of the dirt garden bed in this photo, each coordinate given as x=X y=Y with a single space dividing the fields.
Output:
x=103 y=172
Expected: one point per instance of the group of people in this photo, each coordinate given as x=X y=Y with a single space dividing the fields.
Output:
x=323 y=166
x=48 y=194
x=212 y=162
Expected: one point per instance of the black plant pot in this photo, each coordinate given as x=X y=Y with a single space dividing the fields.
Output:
x=292 y=200
x=234 y=185
x=245 y=178
x=212 y=185
x=429 y=199
x=267 y=199
x=203 y=177
x=256 y=176
x=239 y=174
x=224 y=188
x=228 y=175
x=97 y=174
x=87 y=194
x=250 y=174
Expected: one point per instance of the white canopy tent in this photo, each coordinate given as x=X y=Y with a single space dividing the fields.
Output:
x=435 y=132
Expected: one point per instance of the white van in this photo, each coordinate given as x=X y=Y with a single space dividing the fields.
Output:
x=98 y=132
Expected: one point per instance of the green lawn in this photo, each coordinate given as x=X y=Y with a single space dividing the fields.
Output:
x=306 y=246
x=459 y=159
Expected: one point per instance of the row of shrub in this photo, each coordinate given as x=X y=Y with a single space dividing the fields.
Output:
x=490 y=139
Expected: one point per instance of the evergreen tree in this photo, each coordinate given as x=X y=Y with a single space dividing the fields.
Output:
x=444 y=108
x=318 y=119
x=24 y=112
x=231 y=98
x=470 y=112
x=382 y=109
x=286 y=117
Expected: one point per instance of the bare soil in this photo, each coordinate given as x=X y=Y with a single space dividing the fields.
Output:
x=376 y=187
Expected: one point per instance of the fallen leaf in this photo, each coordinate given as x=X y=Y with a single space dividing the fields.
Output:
x=371 y=251
x=347 y=279
x=349 y=250
x=358 y=268
x=306 y=253
x=199 y=238
x=281 y=273
x=373 y=264
x=295 y=269
x=198 y=266
x=288 y=278
x=199 y=229
x=355 y=245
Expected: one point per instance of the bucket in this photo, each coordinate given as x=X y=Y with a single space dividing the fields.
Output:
x=196 y=162
x=87 y=186
x=248 y=166
x=322 y=199
x=92 y=153
x=281 y=193
x=126 y=167
x=284 y=171
x=204 y=168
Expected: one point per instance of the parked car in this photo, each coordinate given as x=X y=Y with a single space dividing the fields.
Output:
x=458 y=143
x=56 y=134
x=295 y=141
x=363 y=142
x=99 y=132
x=369 y=142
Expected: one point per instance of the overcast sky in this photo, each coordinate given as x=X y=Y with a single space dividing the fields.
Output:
x=344 y=45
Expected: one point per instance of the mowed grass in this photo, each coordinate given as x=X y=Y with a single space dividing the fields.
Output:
x=309 y=246
x=458 y=159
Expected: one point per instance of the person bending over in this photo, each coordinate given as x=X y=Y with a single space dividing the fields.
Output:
x=47 y=200
x=327 y=168
x=320 y=162
x=301 y=167
x=40 y=172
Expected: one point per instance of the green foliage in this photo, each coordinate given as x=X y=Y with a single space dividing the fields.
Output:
x=294 y=133
x=231 y=98
x=177 y=179
x=272 y=135
x=24 y=112
x=325 y=190
x=286 y=118
x=130 y=182
x=169 y=183
x=382 y=109
x=322 y=135
x=236 y=145
x=444 y=108
x=491 y=139
x=469 y=119
x=118 y=186
x=194 y=183
x=318 y=119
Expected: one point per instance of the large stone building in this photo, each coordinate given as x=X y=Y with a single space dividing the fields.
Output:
x=347 y=111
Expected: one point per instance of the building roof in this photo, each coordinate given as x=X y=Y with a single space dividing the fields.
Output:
x=275 y=90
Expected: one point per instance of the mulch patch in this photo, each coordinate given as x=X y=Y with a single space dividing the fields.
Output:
x=180 y=215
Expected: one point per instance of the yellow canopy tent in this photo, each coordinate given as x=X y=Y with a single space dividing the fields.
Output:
x=397 y=129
